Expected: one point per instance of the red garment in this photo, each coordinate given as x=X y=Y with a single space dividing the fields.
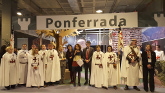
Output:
x=74 y=64
x=87 y=53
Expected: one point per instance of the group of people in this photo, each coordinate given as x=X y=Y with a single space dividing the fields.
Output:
x=44 y=67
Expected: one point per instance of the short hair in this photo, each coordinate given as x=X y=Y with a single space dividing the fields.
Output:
x=158 y=46
x=69 y=45
x=98 y=46
x=60 y=46
x=88 y=42
x=33 y=51
x=9 y=47
x=24 y=44
x=78 y=46
x=110 y=47
x=150 y=46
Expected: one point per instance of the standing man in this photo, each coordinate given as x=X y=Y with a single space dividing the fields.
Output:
x=9 y=69
x=33 y=48
x=23 y=58
x=87 y=57
x=159 y=54
x=131 y=70
x=62 y=56
x=43 y=53
x=53 y=71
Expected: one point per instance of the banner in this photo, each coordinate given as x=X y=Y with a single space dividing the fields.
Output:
x=87 y=21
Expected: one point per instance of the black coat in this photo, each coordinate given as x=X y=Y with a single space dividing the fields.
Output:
x=145 y=59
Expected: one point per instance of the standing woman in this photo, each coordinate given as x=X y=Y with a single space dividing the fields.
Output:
x=69 y=57
x=75 y=67
x=35 y=70
x=148 y=60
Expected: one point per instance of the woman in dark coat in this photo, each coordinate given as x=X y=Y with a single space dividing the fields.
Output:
x=75 y=67
x=148 y=61
x=69 y=57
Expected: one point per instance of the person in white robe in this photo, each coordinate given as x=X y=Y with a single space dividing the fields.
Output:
x=32 y=48
x=159 y=54
x=53 y=71
x=131 y=69
x=9 y=69
x=112 y=68
x=159 y=58
x=43 y=53
x=97 y=74
x=23 y=57
x=35 y=70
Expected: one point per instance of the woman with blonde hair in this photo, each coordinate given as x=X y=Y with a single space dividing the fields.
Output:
x=35 y=70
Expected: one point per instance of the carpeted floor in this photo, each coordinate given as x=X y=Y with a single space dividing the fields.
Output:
x=68 y=88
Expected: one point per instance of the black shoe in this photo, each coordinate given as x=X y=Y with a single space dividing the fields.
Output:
x=136 y=88
x=126 y=88
x=105 y=87
x=115 y=87
x=8 y=87
x=146 y=90
x=79 y=84
x=85 y=83
x=74 y=84
x=13 y=86
x=152 y=91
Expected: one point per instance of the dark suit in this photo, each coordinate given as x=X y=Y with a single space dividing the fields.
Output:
x=147 y=71
x=87 y=65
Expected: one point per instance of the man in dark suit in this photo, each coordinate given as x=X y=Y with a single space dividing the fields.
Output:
x=87 y=57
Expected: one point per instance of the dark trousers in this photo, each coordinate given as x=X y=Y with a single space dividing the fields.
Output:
x=87 y=66
x=148 y=72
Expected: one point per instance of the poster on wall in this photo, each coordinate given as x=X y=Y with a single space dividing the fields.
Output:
x=128 y=34
x=156 y=36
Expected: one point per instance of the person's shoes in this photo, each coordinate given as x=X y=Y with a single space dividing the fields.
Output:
x=115 y=87
x=8 y=87
x=85 y=83
x=105 y=87
x=13 y=86
x=152 y=91
x=136 y=88
x=126 y=88
x=146 y=90
x=74 y=84
x=79 y=84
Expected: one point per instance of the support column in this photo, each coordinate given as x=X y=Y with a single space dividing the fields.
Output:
x=9 y=8
x=6 y=21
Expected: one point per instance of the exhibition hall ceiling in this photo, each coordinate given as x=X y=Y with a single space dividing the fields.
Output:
x=72 y=7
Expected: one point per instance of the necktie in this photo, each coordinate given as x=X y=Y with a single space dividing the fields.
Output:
x=87 y=53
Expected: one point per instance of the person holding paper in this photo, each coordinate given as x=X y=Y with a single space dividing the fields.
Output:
x=77 y=56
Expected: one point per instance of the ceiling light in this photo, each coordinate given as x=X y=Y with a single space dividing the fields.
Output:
x=19 y=13
x=99 y=11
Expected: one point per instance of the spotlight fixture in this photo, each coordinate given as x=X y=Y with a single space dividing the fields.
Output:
x=19 y=13
x=99 y=11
